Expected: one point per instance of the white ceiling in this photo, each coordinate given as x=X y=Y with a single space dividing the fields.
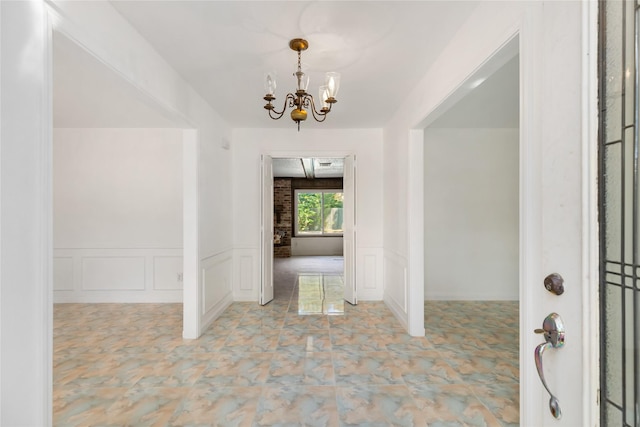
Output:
x=223 y=49
x=87 y=94
x=494 y=103
x=308 y=168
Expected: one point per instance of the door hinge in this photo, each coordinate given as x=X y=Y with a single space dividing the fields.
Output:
x=598 y=397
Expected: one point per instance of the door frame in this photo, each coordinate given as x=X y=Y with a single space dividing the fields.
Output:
x=303 y=154
x=266 y=230
x=531 y=398
x=590 y=224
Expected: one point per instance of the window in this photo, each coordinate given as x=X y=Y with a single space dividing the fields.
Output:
x=318 y=212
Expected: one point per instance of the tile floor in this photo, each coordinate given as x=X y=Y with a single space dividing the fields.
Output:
x=125 y=364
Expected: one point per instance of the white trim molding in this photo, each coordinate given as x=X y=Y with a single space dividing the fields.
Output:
x=191 y=314
x=590 y=230
x=216 y=277
x=415 y=220
x=26 y=221
x=395 y=268
x=246 y=271
x=117 y=275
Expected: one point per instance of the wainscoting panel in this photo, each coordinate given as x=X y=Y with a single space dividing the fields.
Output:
x=63 y=274
x=369 y=274
x=395 y=285
x=113 y=273
x=216 y=274
x=246 y=273
x=167 y=273
x=117 y=275
x=316 y=246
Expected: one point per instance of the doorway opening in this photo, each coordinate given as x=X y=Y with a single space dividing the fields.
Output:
x=308 y=233
x=310 y=285
x=471 y=190
x=119 y=234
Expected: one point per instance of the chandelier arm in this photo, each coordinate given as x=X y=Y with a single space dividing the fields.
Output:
x=310 y=103
x=276 y=115
x=292 y=100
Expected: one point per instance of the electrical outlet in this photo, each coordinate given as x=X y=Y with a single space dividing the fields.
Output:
x=179 y=277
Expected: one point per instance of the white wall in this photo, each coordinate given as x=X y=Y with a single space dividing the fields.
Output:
x=316 y=246
x=25 y=255
x=247 y=147
x=552 y=51
x=471 y=214
x=208 y=246
x=117 y=215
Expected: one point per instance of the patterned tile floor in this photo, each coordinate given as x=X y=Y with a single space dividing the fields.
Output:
x=125 y=364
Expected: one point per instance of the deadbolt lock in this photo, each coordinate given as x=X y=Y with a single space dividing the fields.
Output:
x=554 y=283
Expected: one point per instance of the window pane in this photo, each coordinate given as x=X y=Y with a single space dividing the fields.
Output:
x=309 y=213
x=332 y=212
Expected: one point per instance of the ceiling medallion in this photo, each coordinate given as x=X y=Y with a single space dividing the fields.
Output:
x=301 y=101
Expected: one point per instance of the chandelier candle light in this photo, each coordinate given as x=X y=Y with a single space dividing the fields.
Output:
x=301 y=100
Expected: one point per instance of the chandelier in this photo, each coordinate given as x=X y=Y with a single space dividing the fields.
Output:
x=301 y=100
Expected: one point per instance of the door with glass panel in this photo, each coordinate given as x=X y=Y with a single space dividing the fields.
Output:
x=619 y=215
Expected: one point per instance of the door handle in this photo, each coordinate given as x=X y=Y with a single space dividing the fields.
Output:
x=553 y=330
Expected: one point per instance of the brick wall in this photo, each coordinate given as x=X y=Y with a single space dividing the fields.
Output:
x=309 y=184
x=283 y=193
x=282 y=216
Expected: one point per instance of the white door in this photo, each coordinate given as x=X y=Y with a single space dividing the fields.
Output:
x=266 y=287
x=349 y=230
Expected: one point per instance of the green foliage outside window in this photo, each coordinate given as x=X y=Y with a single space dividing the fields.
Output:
x=309 y=212
x=332 y=205
x=319 y=212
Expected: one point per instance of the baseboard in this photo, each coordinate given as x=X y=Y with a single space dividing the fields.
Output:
x=397 y=312
x=245 y=298
x=370 y=296
x=123 y=297
x=469 y=297
x=209 y=317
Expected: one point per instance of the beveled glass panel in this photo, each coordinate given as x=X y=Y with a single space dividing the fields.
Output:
x=629 y=346
x=636 y=343
x=628 y=195
x=613 y=343
x=620 y=300
x=613 y=202
x=613 y=71
x=613 y=278
x=629 y=64
x=612 y=415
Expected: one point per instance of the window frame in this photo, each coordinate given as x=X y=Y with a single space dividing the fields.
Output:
x=321 y=233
